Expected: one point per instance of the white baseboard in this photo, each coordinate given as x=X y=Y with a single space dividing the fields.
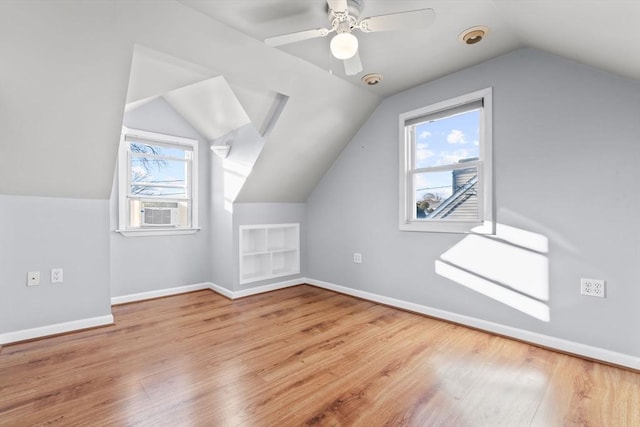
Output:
x=257 y=290
x=221 y=290
x=58 y=328
x=207 y=285
x=519 y=334
x=159 y=293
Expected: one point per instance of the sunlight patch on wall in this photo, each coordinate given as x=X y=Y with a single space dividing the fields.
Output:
x=511 y=267
x=235 y=175
x=526 y=239
x=520 y=302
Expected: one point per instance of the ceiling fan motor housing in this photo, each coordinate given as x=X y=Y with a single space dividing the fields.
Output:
x=354 y=7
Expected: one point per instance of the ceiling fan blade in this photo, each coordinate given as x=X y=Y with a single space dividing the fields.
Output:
x=296 y=37
x=411 y=20
x=337 y=5
x=353 y=65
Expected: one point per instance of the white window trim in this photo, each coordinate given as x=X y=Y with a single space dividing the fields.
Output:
x=123 y=184
x=486 y=224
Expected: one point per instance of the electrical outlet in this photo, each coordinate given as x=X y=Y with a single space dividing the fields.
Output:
x=357 y=258
x=592 y=287
x=56 y=275
x=33 y=278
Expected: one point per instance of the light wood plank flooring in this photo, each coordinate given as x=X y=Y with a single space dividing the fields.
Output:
x=301 y=356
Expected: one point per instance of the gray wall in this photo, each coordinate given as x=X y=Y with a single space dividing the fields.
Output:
x=567 y=167
x=40 y=233
x=143 y=264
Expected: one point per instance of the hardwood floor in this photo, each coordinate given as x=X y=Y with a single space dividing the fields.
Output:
x=301 y=356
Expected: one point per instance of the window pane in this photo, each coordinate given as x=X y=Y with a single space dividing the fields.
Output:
x=155 y=171
x=447 y=140
x=447 y=194
x=159 y=150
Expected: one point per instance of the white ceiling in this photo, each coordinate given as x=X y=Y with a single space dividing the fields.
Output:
x=601 y=33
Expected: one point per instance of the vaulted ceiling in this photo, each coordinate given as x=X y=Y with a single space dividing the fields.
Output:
x=601 y=33
x=69 y=67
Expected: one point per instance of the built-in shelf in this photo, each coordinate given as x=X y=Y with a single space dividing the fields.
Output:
x=268 y=251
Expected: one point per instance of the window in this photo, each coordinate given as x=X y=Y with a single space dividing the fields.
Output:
x=446 y=165
x=157 y=184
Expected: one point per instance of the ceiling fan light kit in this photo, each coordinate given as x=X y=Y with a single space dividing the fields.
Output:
x=344 y=45
x=344 y=16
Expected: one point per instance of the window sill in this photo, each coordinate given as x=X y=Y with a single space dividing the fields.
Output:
x=460 y=227
x=146 y=232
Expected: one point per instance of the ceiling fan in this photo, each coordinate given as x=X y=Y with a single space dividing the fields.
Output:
x=344 y=18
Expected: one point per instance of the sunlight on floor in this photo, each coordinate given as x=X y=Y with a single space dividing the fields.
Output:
x=510 y=267
x=489 y=391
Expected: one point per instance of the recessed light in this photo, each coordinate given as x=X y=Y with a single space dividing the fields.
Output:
x=372 y=79
x=473 y=35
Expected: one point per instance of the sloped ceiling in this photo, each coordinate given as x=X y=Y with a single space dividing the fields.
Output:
x=600 y=33
x=212 y=106
x=63 y=82
x=64 y=79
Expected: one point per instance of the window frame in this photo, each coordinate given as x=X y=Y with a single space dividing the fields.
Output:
x=407 y=142
x=125 y=156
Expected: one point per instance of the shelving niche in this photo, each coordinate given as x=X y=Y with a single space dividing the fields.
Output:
x=268 y=251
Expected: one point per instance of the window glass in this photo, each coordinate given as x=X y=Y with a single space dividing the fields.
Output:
x=448 y=140
x=447 y=194
x=158 y=172
x=158 y=150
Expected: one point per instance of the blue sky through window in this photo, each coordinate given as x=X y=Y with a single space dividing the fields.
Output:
x=168 y=172
x=163 y=171
x=442 y=142
x=446 y=141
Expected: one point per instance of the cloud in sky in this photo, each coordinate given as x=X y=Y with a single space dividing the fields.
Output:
x=449 y=158
x=423 y=154
x=456 y=137
x=424 y=134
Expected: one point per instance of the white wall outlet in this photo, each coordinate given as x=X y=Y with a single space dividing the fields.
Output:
x=56 y=275
x=33 y=278
x=357 y=258
x=592 y=287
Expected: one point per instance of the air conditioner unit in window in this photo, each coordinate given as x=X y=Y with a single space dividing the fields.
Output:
x=159 y=217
